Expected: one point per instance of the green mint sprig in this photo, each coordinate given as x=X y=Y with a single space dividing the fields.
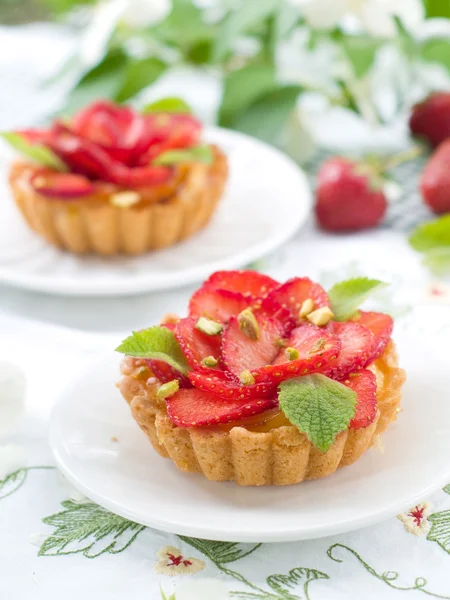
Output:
x=37 y=152
x=195 y=154
x=346 y=296
x=157 y=343
x=168 y=105
x=433 y=240
x=319 y=406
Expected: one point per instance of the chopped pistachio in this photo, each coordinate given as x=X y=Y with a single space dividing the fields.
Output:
x=168 y=389
x=169 y=318
x=248 y=324
x=280 y=343
x=292 y=353
x=125 y=199
x=321 y=316
x=306 y=308
x=209 y=361
x=141 y=372
x=208 y=326
x=246 y=378
x=318 y=346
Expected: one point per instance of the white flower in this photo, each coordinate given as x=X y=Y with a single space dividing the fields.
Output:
x=172 y=562
x=415 y=519
x=322 y=14
x=144 y=13
x=12 y=458
x=202 y=589
x=12 y=397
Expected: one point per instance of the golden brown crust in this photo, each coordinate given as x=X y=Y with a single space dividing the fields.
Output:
x=164 y=215
x=281 y=456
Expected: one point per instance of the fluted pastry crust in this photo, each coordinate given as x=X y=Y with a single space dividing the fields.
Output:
x=164 y=216
x=281 y=456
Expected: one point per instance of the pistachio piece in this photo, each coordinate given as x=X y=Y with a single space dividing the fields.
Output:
x=246 y=378
x=125 y=199
x=210 y=361
x=292 y=353
x=169 y=319
x=280 y=343
x=141 y=372
x=318 y=346
x=321 y=316
x=306 y=308
x=168 y=389
x=248 y=324
x=208 y=326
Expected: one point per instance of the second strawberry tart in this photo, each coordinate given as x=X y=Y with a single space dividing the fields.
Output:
x=265 y=383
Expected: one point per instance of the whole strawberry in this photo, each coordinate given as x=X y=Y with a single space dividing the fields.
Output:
x=435 y=180
x=431 y=118
x=349 y=196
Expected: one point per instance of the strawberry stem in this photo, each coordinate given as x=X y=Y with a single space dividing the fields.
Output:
x=402 y=157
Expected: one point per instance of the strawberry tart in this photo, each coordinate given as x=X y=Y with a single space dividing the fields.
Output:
x=111 y=180
x=265 y=383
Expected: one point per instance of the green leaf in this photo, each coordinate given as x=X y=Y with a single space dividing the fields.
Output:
x=360 y=51
x=437 y=8
x=242 y=88
x=244 y=16
x=168 y=105
x=195 y=154
x=440 y=529
x=184 y=27
x=346 y=296
x=219 y=552
x=438 y=260
x=433 y=234
x=88 y=529
x=268 y=115
x=436 y=50
x=12 y=482
x=447 y=489
x=103 y=81
x=318 y=406
x=36 y=152
x=138 y=75
x=281 y=584
x=158 y=343
x=164 y=597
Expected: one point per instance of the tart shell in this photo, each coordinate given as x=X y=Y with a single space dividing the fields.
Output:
x=281 y=456
x=163 y=216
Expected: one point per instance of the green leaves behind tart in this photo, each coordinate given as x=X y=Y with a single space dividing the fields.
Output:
x=346 y=296
x=158 y=343
x=433 y=239
x=37 y=152
x=319 y=406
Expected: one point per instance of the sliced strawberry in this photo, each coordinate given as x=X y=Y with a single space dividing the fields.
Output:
x=357 y=343
x=381 y=326
x=195 y=344
x=61 y=185
x=294 y=292
x=317 y=350
x=225 y=385
x=195 y=408
x=365 y=385
x=240 y=352
x=164 y=372
x=218 y=305
x=273 y=310
x=140 y=176
x=247 y=283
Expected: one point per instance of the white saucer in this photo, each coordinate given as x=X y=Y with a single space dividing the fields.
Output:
x=266 y=200
x=130 y=479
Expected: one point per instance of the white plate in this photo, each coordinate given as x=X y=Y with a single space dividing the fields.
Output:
x=130 y=479
x=266 y=200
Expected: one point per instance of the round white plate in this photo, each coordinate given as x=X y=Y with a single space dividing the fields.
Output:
x=130 y=479
x=266 y=200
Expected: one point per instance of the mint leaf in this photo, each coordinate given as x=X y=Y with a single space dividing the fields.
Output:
x=195 y=154
x=438 y=260
x=171 y=105
x=37 y=152
x=433 y=234
x=318 y=406
x=346 y=296
x=158 y=343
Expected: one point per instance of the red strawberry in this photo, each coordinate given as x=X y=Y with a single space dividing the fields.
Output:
x=348 y=196
x=61 y=185
x=357 y=347
x=195 y=408
x=195 y=344
x=225 y=385
x=430 y=119
x=381 y=326
x=248 y=283
x=294 y=292
x=365 y=386
x=218 y=305
x=435 y=180
x=164 y=372
x=241 y=352
x=314 y=350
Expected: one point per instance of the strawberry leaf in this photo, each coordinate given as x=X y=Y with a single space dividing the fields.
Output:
x=195 y=154
x=172 y=105
x=36 y=152
x=434 y=234
x=346 y=296
x=158 y=343
x=319 y=406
